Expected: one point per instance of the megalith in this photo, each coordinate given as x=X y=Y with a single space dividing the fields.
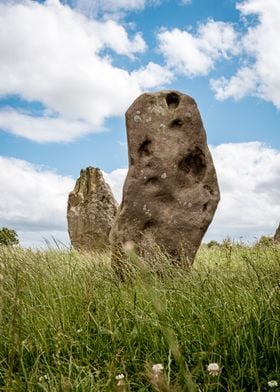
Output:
x=171 y=191
x=90 y=212
x=277 y=234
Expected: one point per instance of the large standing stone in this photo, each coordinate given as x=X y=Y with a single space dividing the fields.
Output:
x=171 y=191
x=277 y=234
x=91 y=211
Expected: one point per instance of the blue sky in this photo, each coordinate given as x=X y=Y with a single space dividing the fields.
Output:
x=69 y=70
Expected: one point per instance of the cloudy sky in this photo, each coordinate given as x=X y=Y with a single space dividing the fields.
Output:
x=69 y=69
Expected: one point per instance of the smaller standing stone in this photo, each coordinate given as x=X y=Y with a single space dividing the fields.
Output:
x=90 y=212
x=277 y=234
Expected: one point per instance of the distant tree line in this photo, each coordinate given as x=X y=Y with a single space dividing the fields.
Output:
x=8 y=236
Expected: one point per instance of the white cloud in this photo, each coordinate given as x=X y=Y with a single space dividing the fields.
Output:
x=243 y=83
x=115 y=37
x=196 y=54
x=55 y=55
x=261 y=74
x=34 y=200
x=42 y=129
x=152 y=75
x=116 y=180
x=249 y=177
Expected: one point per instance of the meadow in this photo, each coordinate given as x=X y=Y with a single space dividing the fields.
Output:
x=68 y=324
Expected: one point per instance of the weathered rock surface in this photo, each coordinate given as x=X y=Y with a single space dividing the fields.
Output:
x=90 y=212
x=277 y=234
x=171 y=191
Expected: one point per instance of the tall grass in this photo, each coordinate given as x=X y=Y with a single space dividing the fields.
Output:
x=67 y=323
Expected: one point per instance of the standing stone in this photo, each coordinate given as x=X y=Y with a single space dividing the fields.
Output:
x=171 y=191
x=91 y=211
x=277 y=234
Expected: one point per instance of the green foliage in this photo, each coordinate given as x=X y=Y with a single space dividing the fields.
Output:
x=8 y=236
x=265 y=241
x=67 y=324
x=213 y=243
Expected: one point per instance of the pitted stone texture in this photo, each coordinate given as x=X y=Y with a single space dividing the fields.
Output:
x=277 y=234
x=91 y=211
x=171 y=191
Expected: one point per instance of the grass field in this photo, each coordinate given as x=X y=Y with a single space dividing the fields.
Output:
x=67 y=323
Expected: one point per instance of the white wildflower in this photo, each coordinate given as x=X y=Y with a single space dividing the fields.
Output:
x=157 y=368
x=79 y=330
x=120 y=382
x=44 y=377
x=213 y=369
x=272 y=384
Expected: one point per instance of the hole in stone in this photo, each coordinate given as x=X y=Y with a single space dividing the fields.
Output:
x=204 y=208
x=87 y=187
x=144 y=149
x=172 y=100
x=193 y=163
x=131 y=160
x=177 y=123
x=152 y=180
x=149 y=224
